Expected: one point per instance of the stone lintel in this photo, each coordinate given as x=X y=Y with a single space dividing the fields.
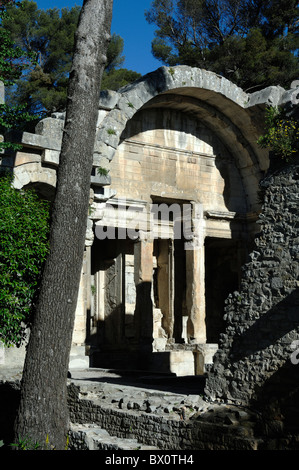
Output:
x=37 y=141
x=269 y=96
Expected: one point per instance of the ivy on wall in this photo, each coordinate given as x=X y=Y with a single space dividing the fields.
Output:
x=281 y=133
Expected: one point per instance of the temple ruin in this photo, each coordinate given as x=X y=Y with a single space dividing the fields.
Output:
x=174 y=204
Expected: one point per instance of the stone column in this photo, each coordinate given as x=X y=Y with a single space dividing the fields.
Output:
x=83 y=302
x=165 y=280
x=143 y=276
x=195 y=279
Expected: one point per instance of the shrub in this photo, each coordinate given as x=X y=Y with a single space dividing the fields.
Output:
x=24 y=229
x=281 y=133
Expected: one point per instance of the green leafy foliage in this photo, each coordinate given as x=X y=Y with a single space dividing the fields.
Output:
x=252 y=43
x=24 y=229
x=26 y=444
x=13 y=61
x=13 y=117
x=114 y=76
x=50 y=34
x=281 y=133
x=115 y=79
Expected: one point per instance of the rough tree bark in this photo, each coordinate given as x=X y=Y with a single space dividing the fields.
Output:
x=43 y=411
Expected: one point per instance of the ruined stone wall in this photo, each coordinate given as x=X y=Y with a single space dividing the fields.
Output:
x=209 y=433
x=219 y=429
x=256 y=360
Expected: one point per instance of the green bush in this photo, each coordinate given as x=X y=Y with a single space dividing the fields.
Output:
x=24 y=230
x=281 y=133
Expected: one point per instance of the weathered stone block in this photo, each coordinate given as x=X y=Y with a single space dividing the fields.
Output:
x=108 y=99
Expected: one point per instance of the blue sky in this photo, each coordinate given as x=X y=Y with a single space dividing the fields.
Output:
x=129 y=22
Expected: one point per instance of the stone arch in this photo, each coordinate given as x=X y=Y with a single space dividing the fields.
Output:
x=35 y=176
x=221 y=105
x=187 y=136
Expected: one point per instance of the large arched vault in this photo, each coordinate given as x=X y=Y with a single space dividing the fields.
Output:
x=174 y=200
x=219 y=104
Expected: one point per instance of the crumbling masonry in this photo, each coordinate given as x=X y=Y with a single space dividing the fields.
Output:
x=183 y=140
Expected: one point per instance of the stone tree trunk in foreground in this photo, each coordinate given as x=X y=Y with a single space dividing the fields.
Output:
x=43 y=413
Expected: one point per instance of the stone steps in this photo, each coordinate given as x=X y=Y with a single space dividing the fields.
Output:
x=118 y=416
x=108 y=414
x=115 y=402
x=92 y=437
